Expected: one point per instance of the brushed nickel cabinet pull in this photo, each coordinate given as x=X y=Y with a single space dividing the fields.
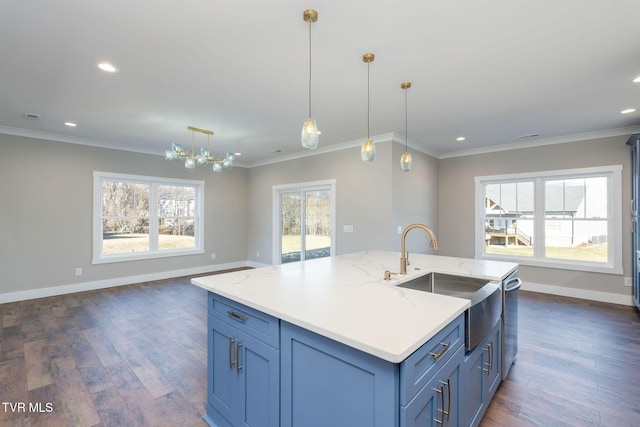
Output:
x=448 y=384
x=440 y=391
x=236 y=315
x=231 y=361
x=238 y=367
x=444 y=350
x=488 y=363
x=490 y=356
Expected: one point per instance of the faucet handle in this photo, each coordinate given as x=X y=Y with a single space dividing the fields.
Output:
x=387 y=274
x=407 y=258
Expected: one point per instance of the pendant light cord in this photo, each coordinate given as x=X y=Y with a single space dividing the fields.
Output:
x=368 y=103
x=406 y=132
x=310 y=68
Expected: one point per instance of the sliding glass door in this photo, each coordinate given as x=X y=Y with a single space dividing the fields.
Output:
x=305 y=221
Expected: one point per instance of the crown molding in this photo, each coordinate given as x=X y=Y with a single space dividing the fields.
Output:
x=606 y=133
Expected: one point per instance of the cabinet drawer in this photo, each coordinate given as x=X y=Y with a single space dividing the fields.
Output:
x=257 y=324
x=419 y=368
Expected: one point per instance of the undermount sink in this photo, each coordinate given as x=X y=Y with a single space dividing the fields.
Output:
x=485 y=298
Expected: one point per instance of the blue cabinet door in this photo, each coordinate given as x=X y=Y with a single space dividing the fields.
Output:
x=244 y=379
x=259 y=380
x=482 y=372
x=326 y=383
x=223 y=401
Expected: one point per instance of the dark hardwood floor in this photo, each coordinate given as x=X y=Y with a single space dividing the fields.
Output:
x=136 y=355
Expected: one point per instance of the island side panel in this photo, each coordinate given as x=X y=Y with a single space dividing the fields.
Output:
x=325 y=383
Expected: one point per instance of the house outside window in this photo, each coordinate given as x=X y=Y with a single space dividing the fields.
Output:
x=140 y=217
x=563 y=219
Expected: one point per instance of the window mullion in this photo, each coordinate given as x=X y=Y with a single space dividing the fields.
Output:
x=539 y=219
x=153 y=217
x=303 y=225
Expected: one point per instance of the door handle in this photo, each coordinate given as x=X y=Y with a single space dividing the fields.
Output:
x=448 y=385
x=238 y=366
x=231 y=361
x=444 y=350
x=440 y=391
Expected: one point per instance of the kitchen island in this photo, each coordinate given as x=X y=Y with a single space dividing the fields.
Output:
x=331 y=342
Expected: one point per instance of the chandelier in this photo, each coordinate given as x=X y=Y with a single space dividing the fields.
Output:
x=191 y=159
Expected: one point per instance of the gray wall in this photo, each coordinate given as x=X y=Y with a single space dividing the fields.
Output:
x=414 y=198
x=46 y=207
x=375 y=198
x=46 y=213
x=457 y=195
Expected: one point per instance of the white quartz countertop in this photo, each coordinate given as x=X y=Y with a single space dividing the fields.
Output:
x=346 y=298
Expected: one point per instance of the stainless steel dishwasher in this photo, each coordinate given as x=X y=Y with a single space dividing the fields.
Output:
x=510 y=287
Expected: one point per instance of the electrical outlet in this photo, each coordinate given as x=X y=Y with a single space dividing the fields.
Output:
x=399 y=229
x=213 y=256
x=258 y=254
x=78 y=271
x=628 y=282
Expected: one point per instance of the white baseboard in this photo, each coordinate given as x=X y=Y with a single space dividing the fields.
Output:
x=578 y=293
x=121 y=281
x=118 y=281
x=254 y=264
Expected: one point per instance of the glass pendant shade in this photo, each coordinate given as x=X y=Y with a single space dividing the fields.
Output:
x=170 y=155
x=310 y=137
x=190 y=163
x=368 y=151
x=405 y=161
x=228 y=161
x=217 y=167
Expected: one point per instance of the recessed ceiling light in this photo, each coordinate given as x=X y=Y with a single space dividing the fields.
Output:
x=460 y=138
x=238 y=154
x=109 y=68
x=628 y=111
x=70 y=124
x=636 y=80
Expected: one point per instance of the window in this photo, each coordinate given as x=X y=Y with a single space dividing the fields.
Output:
x=564 y=219
x=304 y=221
x=140 y=217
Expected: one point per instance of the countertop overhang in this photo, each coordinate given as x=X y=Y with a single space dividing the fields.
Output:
x=346 y=298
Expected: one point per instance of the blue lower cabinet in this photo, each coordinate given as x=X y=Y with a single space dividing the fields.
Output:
x=265 y=372
x=439 y=401
x=325 y=383
x=482 y=377
x=244 y=379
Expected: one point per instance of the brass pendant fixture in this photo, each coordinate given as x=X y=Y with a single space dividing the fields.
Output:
x=405 y=160
x=309 y=138
x=368 y=150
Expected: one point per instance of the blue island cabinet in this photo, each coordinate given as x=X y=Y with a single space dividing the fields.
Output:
x=243 y=366
x=326 y=383
x=263 y=371
x=482 y=370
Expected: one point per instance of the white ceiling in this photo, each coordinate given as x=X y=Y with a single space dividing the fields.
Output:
x=491 y=71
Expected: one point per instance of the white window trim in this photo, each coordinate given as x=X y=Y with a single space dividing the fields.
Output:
x=277 y=189
x=100 y=258
x=614 y=266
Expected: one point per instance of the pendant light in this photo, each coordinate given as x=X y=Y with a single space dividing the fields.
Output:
x=309 y=136
x=368 y=150
x=405 y=160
